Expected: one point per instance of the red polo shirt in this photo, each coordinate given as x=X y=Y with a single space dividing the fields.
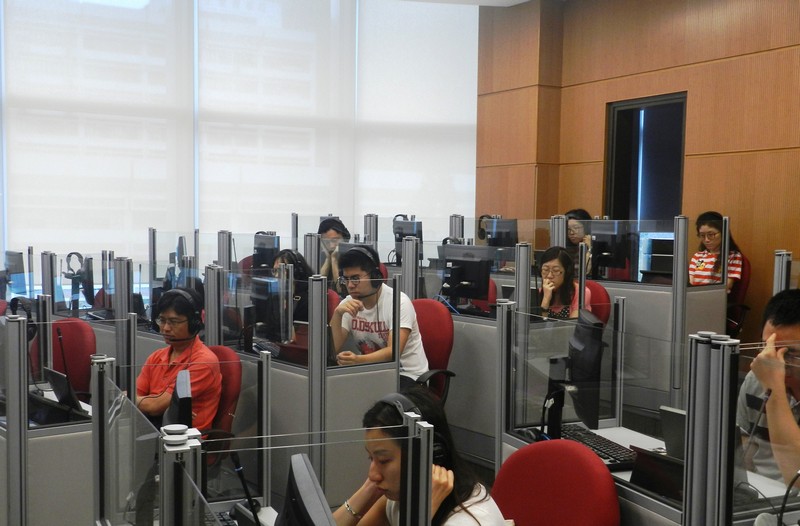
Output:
x=159 y=375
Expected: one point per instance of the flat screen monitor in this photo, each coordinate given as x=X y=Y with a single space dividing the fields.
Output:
x=15 y=266
x=265 y=295
x=609 y=249
x=265 y=247
x=500 y=232
x=403 y=228
x=467 y=271
x=64 y=392
x=305 y=503
x=585 y=360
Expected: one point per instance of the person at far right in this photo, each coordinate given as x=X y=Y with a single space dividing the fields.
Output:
x=705 y=267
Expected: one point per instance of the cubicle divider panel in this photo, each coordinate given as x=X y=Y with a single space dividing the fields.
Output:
x=60 y=485
x=474 y=390
x=3 y=479
x=349 y=394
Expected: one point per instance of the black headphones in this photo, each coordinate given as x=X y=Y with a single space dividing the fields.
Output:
x=196 y=319
x=74 y=273
x=334 y=223
x=482 y=225
x=403 y=404
x=18 y=302
x=375 y=276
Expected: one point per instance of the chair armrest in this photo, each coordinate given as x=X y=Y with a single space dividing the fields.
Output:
x=425 y=377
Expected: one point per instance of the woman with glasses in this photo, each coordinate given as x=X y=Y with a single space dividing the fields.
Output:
x=559 y=289
x=577 y=234
x=705 y=267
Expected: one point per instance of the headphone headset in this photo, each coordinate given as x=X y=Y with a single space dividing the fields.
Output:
x=196 y=318
x=482 y=225
x=403 y=404
x=73 y=273
x=375 y=276
x=334 y=223
x=17 y=302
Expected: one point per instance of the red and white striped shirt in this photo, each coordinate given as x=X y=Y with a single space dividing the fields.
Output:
x=701 y=268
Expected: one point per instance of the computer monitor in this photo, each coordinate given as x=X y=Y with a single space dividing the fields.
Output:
x=467 y=270
x=15 y=266
x=64 y=392
x=577 y=373
x=180 y=407
x=305 y=503
x=403 y=228
x=609 y=249
x=500 y=232
x=265 y=295
x=266 y=246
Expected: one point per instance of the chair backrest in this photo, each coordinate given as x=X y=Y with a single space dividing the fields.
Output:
x=538 y=484
x=740 y=286
x=79 y=344
x=436 y=329
x=491 y=298
x=601 y=302
x=230 y=367
x=333 y=302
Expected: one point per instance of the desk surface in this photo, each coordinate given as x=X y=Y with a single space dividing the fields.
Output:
x=627 y=437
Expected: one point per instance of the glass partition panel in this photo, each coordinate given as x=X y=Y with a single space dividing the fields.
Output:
x=171 y=247
x=209 y=250
x=640 y=251
x=339 y=461
x=133 y=443
x=197 y=509
x=564 y=371
x=763 y=468
x=19 y=275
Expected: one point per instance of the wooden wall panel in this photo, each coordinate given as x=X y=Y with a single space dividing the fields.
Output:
x=758 y=191
x=508 y=47
x=506 y=190
x=507 y=131
x=614 y=38
x=578 y=186
x=747 y=103
x=548 y=125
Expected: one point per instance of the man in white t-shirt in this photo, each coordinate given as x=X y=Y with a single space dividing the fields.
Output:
x=366 y=313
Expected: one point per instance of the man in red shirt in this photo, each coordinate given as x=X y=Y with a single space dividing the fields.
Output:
x=180 y=321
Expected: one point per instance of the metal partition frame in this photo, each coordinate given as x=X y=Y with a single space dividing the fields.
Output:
x=782 y=271
x=224 y=243
x=371 y=230
x=102 y=468
x=214 y=297
x=410 y=271
x=457 y=227
x=16 y=419
x=311 y=244
x=680 y=280
x=49 y=274
x=506 y=317
x=713 y=361
x=558 y=231
x=317 y=365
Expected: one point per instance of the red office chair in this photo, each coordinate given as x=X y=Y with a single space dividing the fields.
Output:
x=230 y=367
x=79 y=344
x=436 y=328
x=737 y=310
x=333 y=302
x=384 y=271
x=601 y=302
x=3 y=307
x=491 y=298
x=538 y=484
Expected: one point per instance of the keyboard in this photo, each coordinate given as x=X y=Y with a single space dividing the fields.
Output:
x=615 y=456
x=224 y=518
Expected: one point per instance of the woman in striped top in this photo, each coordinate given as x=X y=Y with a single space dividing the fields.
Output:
x=705 y=267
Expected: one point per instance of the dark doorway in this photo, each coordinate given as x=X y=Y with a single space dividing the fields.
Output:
x=645 y=168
